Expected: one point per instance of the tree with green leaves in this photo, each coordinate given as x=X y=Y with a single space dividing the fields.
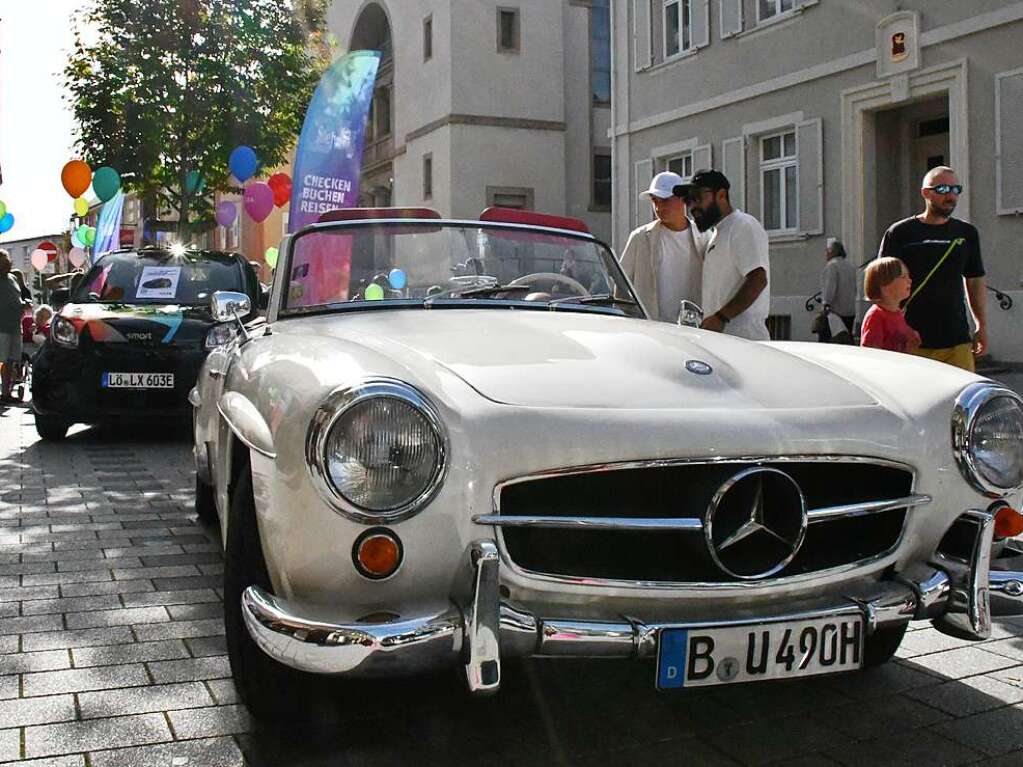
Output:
x=162 y=88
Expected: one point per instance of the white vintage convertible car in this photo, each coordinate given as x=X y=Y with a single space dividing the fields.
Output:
x=457 y=442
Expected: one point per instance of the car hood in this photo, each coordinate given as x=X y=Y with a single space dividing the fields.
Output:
x=143 y=324
x=587 y=360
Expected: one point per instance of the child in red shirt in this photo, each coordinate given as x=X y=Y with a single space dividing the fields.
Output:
x=887 y=284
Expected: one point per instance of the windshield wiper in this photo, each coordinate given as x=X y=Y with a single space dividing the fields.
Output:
x=605 y=299
x=480 y=291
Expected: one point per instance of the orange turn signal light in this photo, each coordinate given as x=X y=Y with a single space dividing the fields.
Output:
x=1008 y=522
x=377 y=553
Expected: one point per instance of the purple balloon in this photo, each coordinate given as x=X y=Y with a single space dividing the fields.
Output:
x=259 y=200
x=226 y=212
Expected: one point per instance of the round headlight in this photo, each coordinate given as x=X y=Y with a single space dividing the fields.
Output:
x=378 y=450
x=987 y=438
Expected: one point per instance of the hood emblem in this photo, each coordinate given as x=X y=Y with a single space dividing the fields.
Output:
x=756 y=523
x=137 y=335
x=699 y=367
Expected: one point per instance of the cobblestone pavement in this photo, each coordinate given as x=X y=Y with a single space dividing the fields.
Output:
x=112 y=653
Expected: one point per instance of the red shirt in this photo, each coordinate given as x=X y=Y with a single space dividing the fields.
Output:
x=27 y=325
x=883 y=329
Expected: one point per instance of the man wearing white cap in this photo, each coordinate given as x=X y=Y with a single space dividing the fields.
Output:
x=664 y=259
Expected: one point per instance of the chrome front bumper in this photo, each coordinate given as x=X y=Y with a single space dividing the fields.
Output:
x=479 y=628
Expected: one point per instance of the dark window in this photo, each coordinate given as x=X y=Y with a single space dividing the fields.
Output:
x=427 y=176
x=508 y=30
x=382 y=112
x=602 y=180
x=427 y=38
x=600 y=51
x=933 y=127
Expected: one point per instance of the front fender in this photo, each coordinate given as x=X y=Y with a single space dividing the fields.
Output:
x=246 y=422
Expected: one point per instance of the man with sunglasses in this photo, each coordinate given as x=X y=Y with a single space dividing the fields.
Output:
x=941 y=253
x=736 y=266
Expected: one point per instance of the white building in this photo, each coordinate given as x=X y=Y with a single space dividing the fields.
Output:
x=825 y=114
x=483 y=103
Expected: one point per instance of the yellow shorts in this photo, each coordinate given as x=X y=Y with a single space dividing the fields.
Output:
x=961 y=356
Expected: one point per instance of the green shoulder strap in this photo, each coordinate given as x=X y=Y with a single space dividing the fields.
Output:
x=955 y=244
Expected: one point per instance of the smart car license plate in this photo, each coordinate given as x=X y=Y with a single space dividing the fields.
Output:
x=138 y=381
x=698 y=657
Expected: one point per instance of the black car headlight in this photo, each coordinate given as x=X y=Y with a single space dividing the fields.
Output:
x=63 y=332
x=377 y=451
x=221 y=334
x=987 y=438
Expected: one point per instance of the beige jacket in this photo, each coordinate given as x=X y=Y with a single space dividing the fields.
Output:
x=641 y=261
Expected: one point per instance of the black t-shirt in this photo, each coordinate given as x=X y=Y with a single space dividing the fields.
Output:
x=938 y=311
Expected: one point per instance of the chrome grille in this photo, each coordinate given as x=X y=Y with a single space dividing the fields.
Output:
x=646 y=521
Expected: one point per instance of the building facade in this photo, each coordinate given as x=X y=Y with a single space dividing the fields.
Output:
x=482 y=103
x=825 y=114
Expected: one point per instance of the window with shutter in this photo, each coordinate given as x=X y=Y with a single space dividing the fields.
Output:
x=641 y=44
x=1008 y=142
x=702 y=159
x=700 y=19
x=779 y=182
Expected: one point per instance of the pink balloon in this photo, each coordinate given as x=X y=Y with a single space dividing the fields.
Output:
x=226 y=212
x=40 y=258
x=259 y=200
x=76 y=256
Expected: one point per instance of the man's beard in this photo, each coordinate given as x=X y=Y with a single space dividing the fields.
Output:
x=944 y=211
x=707 y=217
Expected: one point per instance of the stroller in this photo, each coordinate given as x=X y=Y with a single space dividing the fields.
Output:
x=22 y=382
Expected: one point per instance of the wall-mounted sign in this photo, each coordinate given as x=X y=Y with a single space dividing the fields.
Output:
x=898 y=43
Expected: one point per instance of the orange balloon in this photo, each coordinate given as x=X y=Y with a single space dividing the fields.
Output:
x=76 y=178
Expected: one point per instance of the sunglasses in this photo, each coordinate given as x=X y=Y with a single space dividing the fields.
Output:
x=946 y=188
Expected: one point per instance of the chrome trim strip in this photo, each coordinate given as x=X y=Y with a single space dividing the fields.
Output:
x=878 y=561
x=332 y=408
x=693 y=524
x=967 y=407
x=867 y=507
x=593 y=523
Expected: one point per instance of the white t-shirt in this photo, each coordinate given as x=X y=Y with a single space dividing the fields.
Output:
x=680 y=273
x=737 y=246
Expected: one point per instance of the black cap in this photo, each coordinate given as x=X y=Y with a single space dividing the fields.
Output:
x=702 y=179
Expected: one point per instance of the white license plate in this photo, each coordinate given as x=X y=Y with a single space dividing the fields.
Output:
x=137 y=381
x=699 y=657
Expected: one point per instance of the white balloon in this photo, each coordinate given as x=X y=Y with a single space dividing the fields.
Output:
x=76 y=256
x=40 y=259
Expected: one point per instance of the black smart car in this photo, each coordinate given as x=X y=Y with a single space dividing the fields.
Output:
x=132 y=336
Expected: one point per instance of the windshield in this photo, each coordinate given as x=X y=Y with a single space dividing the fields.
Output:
x=449 y=264
x=159 y=277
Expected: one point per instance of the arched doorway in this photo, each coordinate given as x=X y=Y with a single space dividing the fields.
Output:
x=372 y=32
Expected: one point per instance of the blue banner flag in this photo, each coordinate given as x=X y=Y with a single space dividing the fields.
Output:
x=328 y=161
x=108 y=228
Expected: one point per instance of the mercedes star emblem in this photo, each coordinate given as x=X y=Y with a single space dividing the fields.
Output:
x=699 y=367
x=756 y=523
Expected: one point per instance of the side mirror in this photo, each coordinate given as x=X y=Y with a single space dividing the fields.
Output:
x=60 y=295
x=226 y=305
x=690 y=315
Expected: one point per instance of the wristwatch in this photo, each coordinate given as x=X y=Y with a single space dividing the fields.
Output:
x=721 y=316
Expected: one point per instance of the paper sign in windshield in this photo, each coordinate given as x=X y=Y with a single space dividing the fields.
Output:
x=158 y=282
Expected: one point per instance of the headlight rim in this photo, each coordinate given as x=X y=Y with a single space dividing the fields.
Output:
x=968 y=406
x=333 y=407
x=59 y=321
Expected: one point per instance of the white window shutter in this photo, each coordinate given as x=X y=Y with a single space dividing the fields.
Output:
x=700 y=21
x=809 y=145
x=1008 y=142
x=644 y=172
x=731 y=18
x=642 y=31
x=702 y=159
x=733 y=165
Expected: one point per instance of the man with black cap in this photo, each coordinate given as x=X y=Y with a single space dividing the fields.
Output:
x=662 y=259
x=736 y=266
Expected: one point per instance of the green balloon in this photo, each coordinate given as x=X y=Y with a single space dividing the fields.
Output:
x=105 y=182
x=90 y=236
x=82 y=232
x=3 y=209
x=374 y=292
x=271 y=257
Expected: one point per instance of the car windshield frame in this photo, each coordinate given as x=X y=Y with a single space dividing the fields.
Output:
x=282 y=276
x=158 y=258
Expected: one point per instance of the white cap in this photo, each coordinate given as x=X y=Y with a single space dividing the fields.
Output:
x=662 y=185
x=829 y=242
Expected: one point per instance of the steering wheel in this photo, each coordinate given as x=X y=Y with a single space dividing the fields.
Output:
x=574 y=285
